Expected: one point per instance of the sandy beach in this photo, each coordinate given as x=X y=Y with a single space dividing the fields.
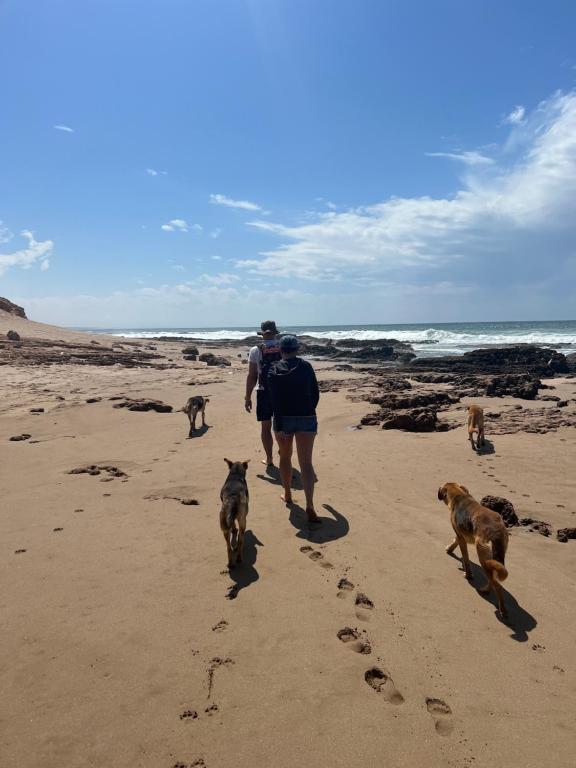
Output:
x=127 y=643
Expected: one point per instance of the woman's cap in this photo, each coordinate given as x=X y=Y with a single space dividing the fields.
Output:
x=289 y=343
x=268 y=326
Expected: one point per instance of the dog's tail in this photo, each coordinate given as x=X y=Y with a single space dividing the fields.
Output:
x=497 y=570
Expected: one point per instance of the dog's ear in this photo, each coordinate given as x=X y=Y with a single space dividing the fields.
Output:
x=465 y=489
x=245 y=463
x=229 y=463
x=442 y=493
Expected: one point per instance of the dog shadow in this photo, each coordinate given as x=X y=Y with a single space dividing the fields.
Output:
x=330 y=529
x=199 y=432
x=518 y=620
x=245 y=573
x=272 y=475
x=486 y=449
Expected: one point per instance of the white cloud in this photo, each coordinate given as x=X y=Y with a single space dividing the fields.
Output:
x=215 y=233
x=153 y=172
x=216 y=258
x=175 y=225
x=516 y=116
x=45 y=265
x=245 y=205
x=468 y=158
x=224 y=278
x=65 y=128
x=25 y=258
x=506 y=219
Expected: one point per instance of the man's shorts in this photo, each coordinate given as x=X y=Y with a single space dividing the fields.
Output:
x=292 y=424
x=263 y=405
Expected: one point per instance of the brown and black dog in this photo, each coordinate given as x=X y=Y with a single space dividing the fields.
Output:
x=476 y=424
x=475 y=524
x=193 y=407
x=234 y=497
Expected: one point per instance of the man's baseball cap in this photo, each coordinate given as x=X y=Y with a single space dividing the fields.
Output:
x=268 y=326
x=289 y=343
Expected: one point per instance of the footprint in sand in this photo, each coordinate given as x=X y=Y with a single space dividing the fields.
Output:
x=354 y=640
x=199 y=763
x=19 y=551
x=382 y=683
x=442 y=716
x=344 y=587
x=316 y=556
x=189 y=714
x=221 y=626
x=363 y=606
x=211 y=710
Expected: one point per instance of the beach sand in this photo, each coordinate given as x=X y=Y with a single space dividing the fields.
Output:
x=126 y=643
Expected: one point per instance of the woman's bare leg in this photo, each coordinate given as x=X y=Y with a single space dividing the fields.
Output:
x=285 y=443
x=304 y=447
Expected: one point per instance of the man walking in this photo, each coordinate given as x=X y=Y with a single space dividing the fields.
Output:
x=260 y=358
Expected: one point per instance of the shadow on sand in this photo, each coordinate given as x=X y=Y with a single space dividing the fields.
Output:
x=272 y=475
x=199 y=432
x=486 y=449
x=329 y=529
x=245 y=574
x=519 y=620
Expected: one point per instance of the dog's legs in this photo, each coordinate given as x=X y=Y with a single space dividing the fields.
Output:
x=491 y=582
x=240 y=545
x=193 y=413
x=465 y=559
x=203 y=417
x=451 y=547
x=227 y=534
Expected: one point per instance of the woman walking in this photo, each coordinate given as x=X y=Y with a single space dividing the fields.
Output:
x=294 y=393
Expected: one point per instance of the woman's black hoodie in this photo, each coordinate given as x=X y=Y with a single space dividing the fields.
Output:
x=293 y=388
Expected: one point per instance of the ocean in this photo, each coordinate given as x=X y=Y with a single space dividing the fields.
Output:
x=428 y=339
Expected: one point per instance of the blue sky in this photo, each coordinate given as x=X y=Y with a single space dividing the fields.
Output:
x=212 y=162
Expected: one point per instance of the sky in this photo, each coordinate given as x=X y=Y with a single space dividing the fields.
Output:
x=213 y=163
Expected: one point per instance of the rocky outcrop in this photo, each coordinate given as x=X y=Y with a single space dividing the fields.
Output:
x=520 y=385
x=11 y=308
x=211 y=359
x=32 y=351
x=190 y=351
x=522 y=358
x=393 y=401
x=13 y=336
x=144 y=404
x=571 y=362
x=563 y=534
x=504 y=508
x=414 y=420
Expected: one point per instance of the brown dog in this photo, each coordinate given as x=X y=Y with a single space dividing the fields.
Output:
x=193 y=407
x=475 y=524
x=476 y=424
x=234 y=497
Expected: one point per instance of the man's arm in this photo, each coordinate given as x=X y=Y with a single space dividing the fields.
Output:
x=315 y=391
x=251 y=381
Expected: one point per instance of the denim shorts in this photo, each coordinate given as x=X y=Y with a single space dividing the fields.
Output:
x=293 y=424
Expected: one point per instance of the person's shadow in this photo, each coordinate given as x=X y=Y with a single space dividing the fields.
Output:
x=519 y=620
x=273 y=476
x=329 y=529
x=244 y=573
x=198 y=432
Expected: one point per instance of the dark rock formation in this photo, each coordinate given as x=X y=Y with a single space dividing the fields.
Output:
x=144 y=405
x=521 y=385
x=536 y=526
x=11 y=308
x=504 y=508
x=13 y=336
x=392 y=401
x=415 y=420
x=18 y=438
x=571 y=362
x=522 y=358
x=190 y=351
x=563 y=534
x=211 y=359
x=34 y=351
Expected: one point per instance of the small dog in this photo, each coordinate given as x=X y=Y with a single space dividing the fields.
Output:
x=475 y=524
x=234 y=496
x=194 y=406
x=476 y=424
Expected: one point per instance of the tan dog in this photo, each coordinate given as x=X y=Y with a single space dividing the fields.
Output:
x=193 y=407
x=475 y=524
x=234 y=496
x=476 y=424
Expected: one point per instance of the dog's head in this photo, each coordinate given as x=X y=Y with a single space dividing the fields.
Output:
x=237 y=467
x=448 y=491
